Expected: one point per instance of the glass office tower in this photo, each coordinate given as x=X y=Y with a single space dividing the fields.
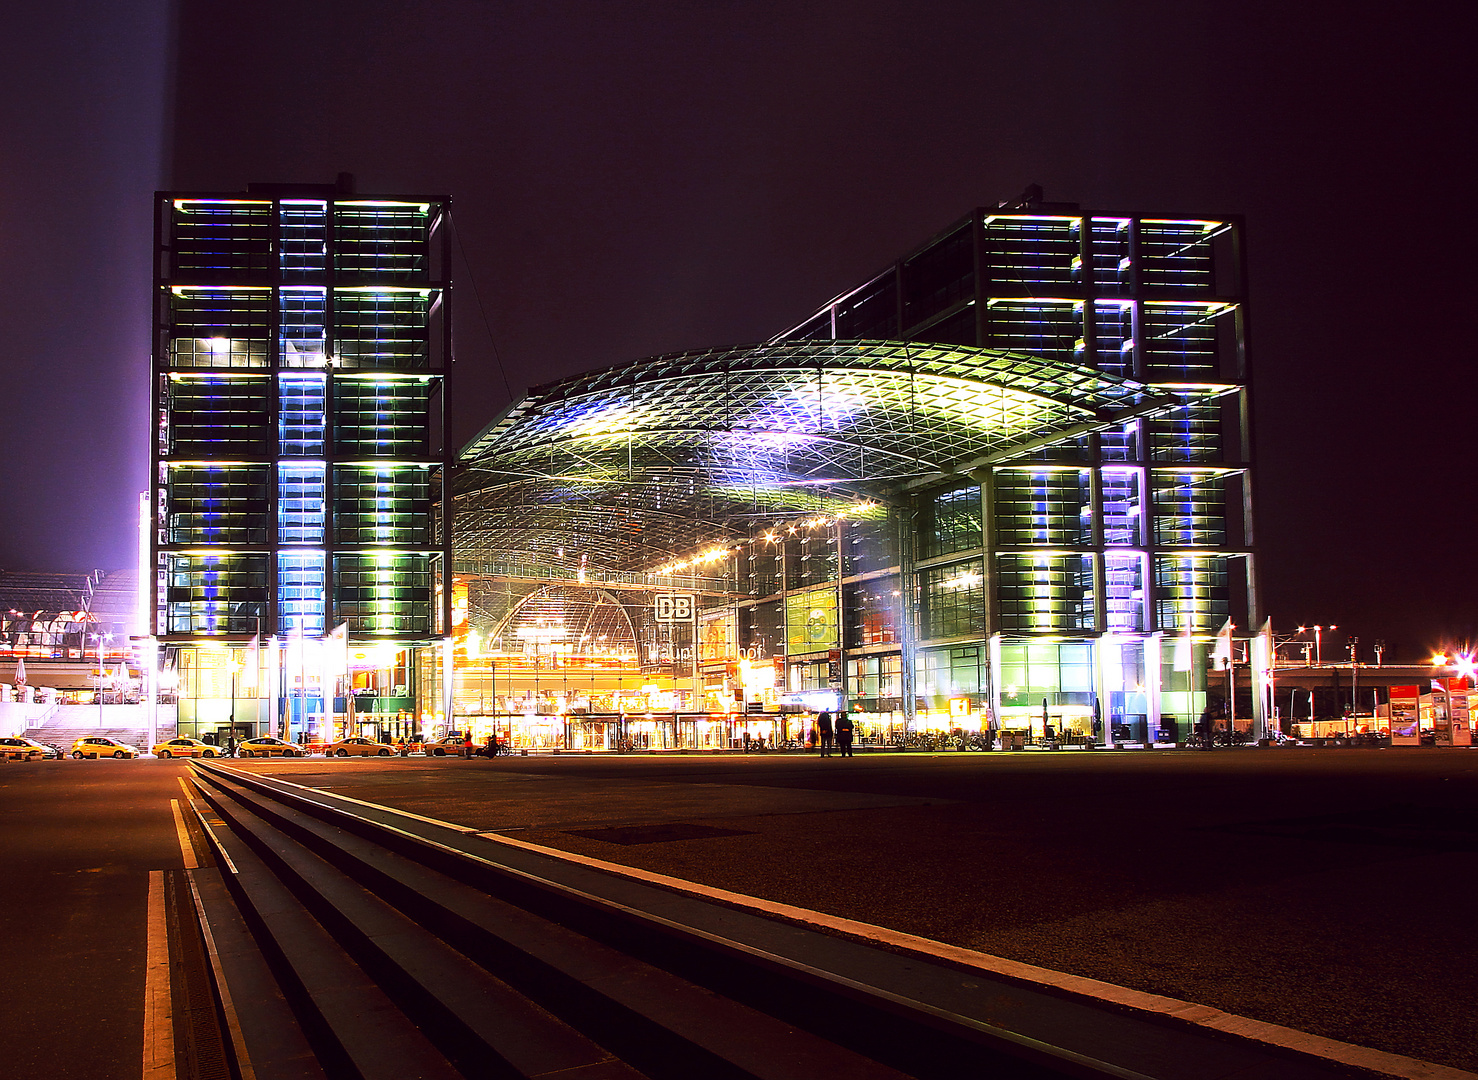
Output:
x=301 y=343
x=1062 y=583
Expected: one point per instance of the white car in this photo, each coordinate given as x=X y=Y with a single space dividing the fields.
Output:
x=184 y=748
x=268 y=746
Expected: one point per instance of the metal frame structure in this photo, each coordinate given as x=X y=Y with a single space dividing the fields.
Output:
x=1018 y=460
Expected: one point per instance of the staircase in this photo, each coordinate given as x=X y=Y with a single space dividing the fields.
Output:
x=62 y=736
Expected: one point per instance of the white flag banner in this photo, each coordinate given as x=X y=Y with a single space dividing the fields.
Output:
x=1183 y=649
x=251 y=670
x=1222 y=654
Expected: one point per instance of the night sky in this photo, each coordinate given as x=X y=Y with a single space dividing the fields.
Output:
x=631 y=179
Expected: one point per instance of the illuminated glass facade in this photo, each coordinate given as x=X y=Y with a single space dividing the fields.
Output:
x=990 y=488
x=1088 y=551
x=301 y=343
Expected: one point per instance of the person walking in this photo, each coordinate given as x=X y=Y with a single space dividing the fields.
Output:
x=823 y=722
x=844 y=734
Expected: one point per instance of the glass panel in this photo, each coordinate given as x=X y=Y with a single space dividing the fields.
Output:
x=952 y=599
x=1190 y=509
x=380 y=419
x=217 y=506
x=1026 y=253
x=1045 y=506
x=301 y=400
x=382 y=506
x=300 y=592
x=952 y=523
x=215 y=594
x=1045 y=593
x=218 y=328
x=384 y=594
x=300 y=502
x=212 y=240
x=301 y=312
x=303 y=227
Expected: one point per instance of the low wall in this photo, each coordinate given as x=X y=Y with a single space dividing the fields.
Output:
x=16 y=716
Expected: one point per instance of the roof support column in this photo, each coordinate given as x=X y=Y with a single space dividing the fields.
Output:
x=904 y=518
x=986 y=478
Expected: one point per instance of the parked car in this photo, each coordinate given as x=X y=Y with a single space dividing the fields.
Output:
x=183 y=747
x=452 y=745
x=268 y=746
x=96 y=746
x=20 y=748
x=358 y=746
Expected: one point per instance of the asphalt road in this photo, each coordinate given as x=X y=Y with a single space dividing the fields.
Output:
x=1330 y=891
x=77 y=842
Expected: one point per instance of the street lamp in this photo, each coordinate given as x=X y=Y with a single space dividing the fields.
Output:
x=100 y=638
x=231 y=735
x=1318 y=642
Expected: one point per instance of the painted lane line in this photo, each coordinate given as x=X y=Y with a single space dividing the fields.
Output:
x=187 y=849
x=158 y=1011
x=185 y=787
x=1379 y=1061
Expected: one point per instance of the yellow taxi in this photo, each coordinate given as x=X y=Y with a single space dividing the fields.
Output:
x=23 y=749
x=268 y=746
x=358 y=746
x=183 y=747
x=96 y=746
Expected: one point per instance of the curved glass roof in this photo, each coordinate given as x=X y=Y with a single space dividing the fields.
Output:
x=627 y=465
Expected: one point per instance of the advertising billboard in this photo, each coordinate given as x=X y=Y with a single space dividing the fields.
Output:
x=811 y=621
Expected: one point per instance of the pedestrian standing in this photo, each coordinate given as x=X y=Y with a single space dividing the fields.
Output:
x=844 y=734
x=467 y=745
x=823 y=722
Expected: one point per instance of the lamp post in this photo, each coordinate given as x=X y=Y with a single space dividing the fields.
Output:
x=1318 y=642
x=231 y=735
x=100 y=638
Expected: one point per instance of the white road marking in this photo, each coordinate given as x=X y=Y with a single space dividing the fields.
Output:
x=228 y=1007
x=187 y=849
x=158 y=1011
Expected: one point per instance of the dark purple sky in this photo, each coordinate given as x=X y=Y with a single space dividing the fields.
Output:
x=632 y=179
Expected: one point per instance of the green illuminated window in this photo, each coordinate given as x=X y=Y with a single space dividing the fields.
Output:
x=384 y=594
x=1045 y=593
x=381 y=506
x=381 y=419
x=1042 y=507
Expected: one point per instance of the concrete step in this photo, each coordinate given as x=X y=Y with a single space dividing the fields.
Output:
x=63 y=737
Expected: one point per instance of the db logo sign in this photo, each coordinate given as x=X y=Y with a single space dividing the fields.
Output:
x=674 y=607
